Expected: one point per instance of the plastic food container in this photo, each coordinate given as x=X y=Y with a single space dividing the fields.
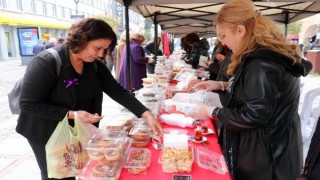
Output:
x=115 y=125
x=101 y=170
x=142 y=123
x=106 y=145
x=211 y=160
x=140 y=133
x=140 y=144
x=96 y=170
x=138 y=160
x=148 y=80
x=175 y=159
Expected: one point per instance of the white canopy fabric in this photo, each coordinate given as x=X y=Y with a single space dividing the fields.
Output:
x=180 y=17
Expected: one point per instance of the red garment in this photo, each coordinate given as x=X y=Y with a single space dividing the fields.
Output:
x=166 y=47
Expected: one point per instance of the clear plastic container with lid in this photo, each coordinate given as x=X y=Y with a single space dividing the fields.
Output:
x=211 y=160
x=176 y=159
x=106 y=145
x=140 y=143
x=140 y=133
x=138 y=160
x=106 y=170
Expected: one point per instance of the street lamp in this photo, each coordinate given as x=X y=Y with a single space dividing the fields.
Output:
x=76 y=1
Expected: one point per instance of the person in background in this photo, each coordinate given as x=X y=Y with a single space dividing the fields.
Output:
x=199 y=48
x=109 y=60
x=138 y=63
x=51 y=43
x=149 y=49
x=262 y=130
x=171 y=46
x=186 y=47
x=220 y=58
x=121 y=45
x=60 y=41
x=38 y=47
x=305 y=49
x=45 y=100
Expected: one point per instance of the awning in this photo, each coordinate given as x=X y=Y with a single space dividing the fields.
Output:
x=32 y=21
x=181 y=17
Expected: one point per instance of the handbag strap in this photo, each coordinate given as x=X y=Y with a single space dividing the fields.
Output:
x=57 y=58
x=308 y=161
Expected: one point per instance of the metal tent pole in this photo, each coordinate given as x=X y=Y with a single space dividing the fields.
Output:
x=156 y=47
x=286 y=22
x=127 y=3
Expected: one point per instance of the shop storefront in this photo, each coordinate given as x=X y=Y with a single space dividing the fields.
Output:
x=10 y=41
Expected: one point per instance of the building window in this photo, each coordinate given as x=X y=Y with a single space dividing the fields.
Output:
x=85 y=1
x=1 y=4
x=67 y=13
x=13 y=5
x=28 y=6
x=40 y=7
x=60 y=12
x=51 y=10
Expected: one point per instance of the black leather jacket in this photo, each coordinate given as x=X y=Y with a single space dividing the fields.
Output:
x=198 y=49
x=262 y=137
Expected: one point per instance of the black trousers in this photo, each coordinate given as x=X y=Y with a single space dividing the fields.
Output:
x=40 y=154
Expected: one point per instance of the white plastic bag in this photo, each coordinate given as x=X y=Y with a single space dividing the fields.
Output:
x=65 y=152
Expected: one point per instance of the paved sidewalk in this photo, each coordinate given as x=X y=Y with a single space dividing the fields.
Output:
x=16 y=158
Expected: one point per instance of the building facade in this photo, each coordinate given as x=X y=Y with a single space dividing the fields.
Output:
x=23 y=22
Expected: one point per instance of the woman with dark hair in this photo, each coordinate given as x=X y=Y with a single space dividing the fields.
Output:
x=184 y=45
x=198 y=48
x=149 y=49
x=46 y=99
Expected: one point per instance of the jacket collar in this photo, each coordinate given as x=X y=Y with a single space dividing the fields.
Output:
x=298 y=69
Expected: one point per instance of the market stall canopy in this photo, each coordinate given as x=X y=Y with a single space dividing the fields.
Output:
x=180 y=17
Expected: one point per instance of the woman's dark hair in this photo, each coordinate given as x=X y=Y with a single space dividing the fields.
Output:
x=90 y=29
x=184 y=45
x=191 y=38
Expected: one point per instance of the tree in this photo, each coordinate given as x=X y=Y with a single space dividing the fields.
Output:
x=112 y=21
x=147 y=32
x=293 y=28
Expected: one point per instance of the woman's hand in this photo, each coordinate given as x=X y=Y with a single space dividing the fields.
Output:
x=153 y=123
x=208 y=63
x=150 y=59
x=209 y=86
x=85 y=117
x=220 y=57
x=193 y=82
x=202 y=111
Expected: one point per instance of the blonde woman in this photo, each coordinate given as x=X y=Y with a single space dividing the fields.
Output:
x=121 y=45
x=262 y=136
x=138 y=63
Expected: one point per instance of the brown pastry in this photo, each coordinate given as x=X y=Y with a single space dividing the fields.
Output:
x=112 y=155
x=95 y=155
x=101 y=170
x=105 y=143
x=141 y=135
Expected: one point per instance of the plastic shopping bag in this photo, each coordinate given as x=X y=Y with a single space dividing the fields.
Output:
x=65 y=152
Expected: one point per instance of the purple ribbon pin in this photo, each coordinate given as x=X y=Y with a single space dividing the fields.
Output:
x=70 y=82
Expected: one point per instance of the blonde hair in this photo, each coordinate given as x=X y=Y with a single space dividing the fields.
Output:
x=138 y=37
x=123 y=36
x=260 y=32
